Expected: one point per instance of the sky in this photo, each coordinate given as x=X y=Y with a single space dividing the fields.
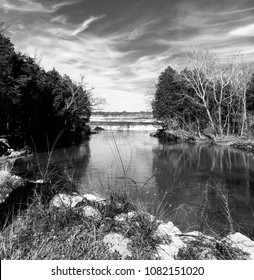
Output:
x=121 y=46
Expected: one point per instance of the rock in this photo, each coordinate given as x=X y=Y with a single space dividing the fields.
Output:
x=206 y=254
x=241 y=242
x=193 y=235
x=3 y=149
x=93 y=198
x=124 y=217
x=94 y=132
x=118 y=243
x=4 y=176
x=92 y=213
x=40 y=181
x=165 y=232
x=149 y=217
x=98 y=128
x=169 y=251
x=153 y=134
x=65 y=200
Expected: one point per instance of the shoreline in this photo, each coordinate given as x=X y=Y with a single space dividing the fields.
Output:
x=88 y=226
x=181 y=136
x=113 y=219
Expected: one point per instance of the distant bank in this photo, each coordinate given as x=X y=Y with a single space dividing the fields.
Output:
x=124 y=121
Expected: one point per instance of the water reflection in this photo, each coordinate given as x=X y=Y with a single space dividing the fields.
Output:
x=178 y=181
x=199 y=170
x=70 y=162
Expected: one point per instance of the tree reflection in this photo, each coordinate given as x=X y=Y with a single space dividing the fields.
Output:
x=193 y=168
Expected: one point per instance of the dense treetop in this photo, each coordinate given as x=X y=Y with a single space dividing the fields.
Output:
x=210 y=94
x=38 y=102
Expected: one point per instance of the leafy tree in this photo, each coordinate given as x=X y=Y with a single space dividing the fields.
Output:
x=34 y=102
x=175 y=100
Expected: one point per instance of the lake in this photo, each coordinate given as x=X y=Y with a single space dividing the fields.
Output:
x=198 y=187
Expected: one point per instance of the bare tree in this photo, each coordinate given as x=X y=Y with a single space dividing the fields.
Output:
x=222 y=81
x=222 y=77
x=199 y=75
x=245 y=71
x=81 y=97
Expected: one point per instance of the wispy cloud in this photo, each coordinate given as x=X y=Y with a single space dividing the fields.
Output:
x=59 y=19
x=125 y=52
x=85 y=25
x=24 y=6
x=247 y=30
x=237 y=11
x=32 y=6
x=63 y=4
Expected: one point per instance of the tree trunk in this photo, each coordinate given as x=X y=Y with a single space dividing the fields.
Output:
x=244 y=115
x=219 y=120
x=210 y=119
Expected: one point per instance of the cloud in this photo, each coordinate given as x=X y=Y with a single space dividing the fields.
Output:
x=125 y=54
x=139 y=29
x=62 y=4
x=31 y=6
x=247 y=30
x=24 y=6
x=237 y=11
x=59 y=19
x=83 y=26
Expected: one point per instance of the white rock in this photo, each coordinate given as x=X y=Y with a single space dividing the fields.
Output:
x=207 y=254
x=4 y=176
x=65 y=200
x=242 y=242
x=93 y=198
x=164 y=232
x=170 y=251
x=148 y=216
x=118 y=243
x=40 y=181
x=92 y=213
x=123 y=217
x=194 y=235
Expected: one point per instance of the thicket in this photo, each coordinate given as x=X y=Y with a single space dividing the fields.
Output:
x=35 y=102
x=212 y=93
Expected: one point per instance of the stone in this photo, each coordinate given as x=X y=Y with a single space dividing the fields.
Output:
x=206 y=254
x=3 y=148
x=4 y=176
x=242 y=242
x=93 y=198
x=194 y=235
x=92 y=213
x=164 y=232
x=169 y=251
x=148 y=217
x=40 y=181
x=65 y=200
x=124 y=217
x=118 y=243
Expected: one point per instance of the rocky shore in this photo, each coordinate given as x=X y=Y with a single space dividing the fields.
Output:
x=122 y=229
x=182 y=136
x=169 y=242
x=7 y=152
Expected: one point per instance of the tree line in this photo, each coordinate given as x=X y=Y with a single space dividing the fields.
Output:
x=38 y=102
x=211 y=92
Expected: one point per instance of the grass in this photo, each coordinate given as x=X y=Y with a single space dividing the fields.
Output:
x=42 y=232
x=202 y=248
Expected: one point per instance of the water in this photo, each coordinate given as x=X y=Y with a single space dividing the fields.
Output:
x=192 y=185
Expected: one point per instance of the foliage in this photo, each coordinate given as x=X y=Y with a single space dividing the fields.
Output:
x=173 y=100
x=212 y=93
x=35 y=102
